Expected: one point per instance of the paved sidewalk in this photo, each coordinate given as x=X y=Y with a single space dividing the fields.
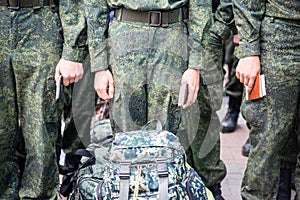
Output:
x=231 y=154
x=231 y=146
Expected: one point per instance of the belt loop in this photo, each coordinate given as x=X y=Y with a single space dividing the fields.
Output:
x=118 y=13
x=13 y=4
x=52 y=4
x=185 y=14
x=165 y=19
x=36 y=4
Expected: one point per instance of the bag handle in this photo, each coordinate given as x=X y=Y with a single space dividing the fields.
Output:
x=162 y=170
x=124 y=175
x=158 y=125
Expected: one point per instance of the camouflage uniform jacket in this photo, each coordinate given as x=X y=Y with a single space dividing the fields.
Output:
x=98 y=18
x=74 y=28
x=224 y=20
x=248 y=17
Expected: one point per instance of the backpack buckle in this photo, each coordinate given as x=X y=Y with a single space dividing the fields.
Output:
x=124 y=172
x=162 y=168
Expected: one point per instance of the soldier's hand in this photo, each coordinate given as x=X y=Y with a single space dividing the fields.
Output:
x=191 y=78
x=71 y=71
x=236 y=40
x=247 y=70
x=104 y=84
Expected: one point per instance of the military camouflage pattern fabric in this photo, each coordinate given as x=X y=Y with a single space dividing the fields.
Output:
x=147 y=65
x=202 y=138
x=149 y=95
x=72 y=14
x=203 y=147
x=88 y=179
x=233 y=87
x=73 y=21
x=147 y=73
x=224 y=25
x=248 y=19
x=297 y=172
x=97 y=12
x=144 y=150
x=79 y=106
x=101 y=139
x=224 y=28
x=272 y=118
x=28 y=58
x=81 y=183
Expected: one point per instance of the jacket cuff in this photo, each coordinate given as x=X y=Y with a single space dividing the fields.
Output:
x=98 y=61
x=247 y=49
x=74 y=54
x=196 y=60
x=221 y=30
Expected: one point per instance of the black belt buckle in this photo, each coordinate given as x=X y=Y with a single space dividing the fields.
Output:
x=154 y=15
x=13 y=7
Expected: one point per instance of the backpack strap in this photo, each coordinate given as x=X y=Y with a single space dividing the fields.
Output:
x=124 y=175
x=162 y=170
x=158 y=125
x=83 y=152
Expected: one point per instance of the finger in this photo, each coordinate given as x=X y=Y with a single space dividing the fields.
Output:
x=104 y=95
x=104 y=92
x=81 y=72
x=246 y=81
x=77 y=79
x=189 y=102
x=237 y=74
x=57 y=73
x=72 y=76
x=80 y=76
x=65 y=75
x=250 y=85
x=71 y=80
x=111 y=89
x=99 y=94
x=195 y=94
x=242 y=79
x=66 y=81
x=249 y=89
x=190 y=98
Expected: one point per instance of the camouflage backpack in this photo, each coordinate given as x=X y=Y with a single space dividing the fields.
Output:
x=81 y=184
x=86 y=180
x=149 y=165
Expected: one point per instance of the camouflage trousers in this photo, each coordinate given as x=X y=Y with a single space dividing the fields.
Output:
x=147 y=64
x=272 y=118
x=205 y=147
x=31 y=44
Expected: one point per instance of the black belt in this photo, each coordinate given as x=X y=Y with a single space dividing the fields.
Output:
x=35 y=4
x=154 y=18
